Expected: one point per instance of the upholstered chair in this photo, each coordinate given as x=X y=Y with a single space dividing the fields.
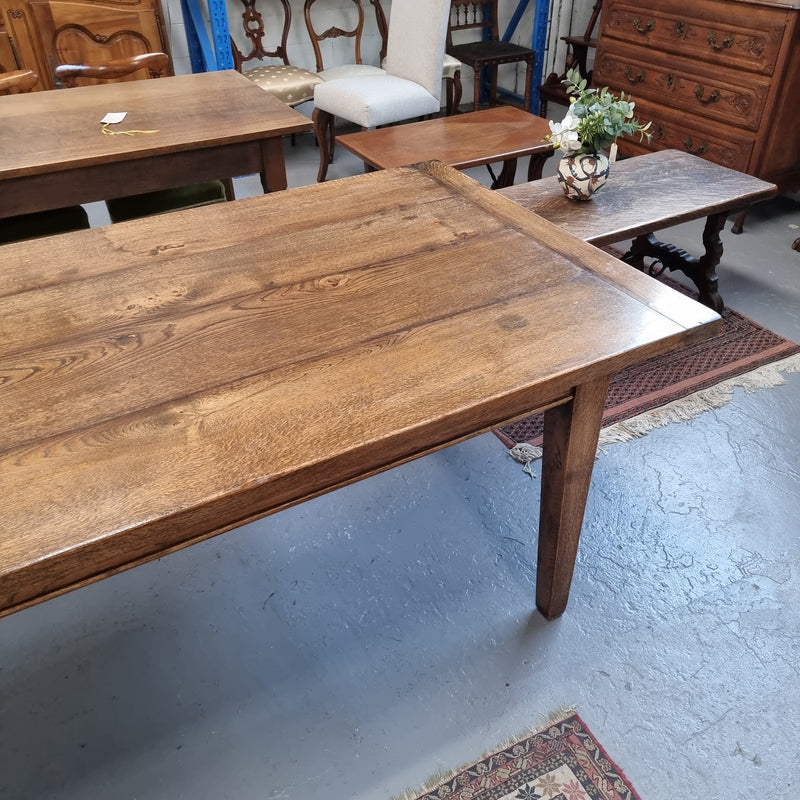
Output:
x=451 y=67
x=290 y=84
x=411 y=87
x=317 y=14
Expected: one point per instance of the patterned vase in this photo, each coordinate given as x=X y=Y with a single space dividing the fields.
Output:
x=582 y=175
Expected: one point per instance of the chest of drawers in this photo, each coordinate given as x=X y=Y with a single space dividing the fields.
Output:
x=717 y=78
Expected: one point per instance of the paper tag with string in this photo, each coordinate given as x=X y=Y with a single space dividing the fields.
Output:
x=612 y=153
x=114 y=118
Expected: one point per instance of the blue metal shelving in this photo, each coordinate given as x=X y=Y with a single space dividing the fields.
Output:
x=538 y=43
x=204 y=56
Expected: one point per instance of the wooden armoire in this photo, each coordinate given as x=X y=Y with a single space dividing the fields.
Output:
x=40 y=34
x=718 y=78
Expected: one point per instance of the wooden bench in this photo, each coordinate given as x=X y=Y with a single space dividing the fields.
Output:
x=650 y=193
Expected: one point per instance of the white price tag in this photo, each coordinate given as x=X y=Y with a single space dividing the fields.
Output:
x=113 y=117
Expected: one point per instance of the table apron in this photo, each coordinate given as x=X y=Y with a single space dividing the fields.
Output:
x=69 y=571
x=40 y=192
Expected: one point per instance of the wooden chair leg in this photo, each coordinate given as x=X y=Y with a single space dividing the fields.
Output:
x=454 y=90
x=476 y=90
x=493 y=86
x=528 y=82
x=323 y=130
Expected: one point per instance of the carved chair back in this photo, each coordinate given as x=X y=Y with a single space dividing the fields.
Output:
x=264 y=38
x=316 y=19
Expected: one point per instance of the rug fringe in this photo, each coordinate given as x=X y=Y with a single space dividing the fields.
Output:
x=445 y=775
x=681 y=410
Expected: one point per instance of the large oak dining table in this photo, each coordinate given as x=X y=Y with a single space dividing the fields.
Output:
x=178 y=131
x=168 y=379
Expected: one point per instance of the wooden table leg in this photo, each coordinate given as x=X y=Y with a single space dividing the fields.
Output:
x=507 y=174
x=571 y=432
x=273 y=173
x=701 y=270
x=536 y=163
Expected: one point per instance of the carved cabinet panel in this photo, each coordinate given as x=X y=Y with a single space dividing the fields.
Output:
x=718 y=78
x=45 y=33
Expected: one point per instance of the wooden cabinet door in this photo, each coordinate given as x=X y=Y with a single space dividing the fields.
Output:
x=51 y=32
x=8 y=59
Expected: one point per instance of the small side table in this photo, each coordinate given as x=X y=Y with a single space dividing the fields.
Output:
x=500 y=134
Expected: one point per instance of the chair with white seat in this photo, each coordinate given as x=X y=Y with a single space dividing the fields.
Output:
x=316 y=18
x=451 y=67
x=411 y=87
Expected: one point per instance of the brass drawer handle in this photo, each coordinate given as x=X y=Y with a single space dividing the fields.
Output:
x=712 y=98
x=638 y=78
x=688 y=143
x=726 y=42
x=637 y=25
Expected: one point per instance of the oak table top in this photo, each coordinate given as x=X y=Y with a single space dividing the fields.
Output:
x=170 y=378
x=206 y=126
x=502 y=133
x=649 y=193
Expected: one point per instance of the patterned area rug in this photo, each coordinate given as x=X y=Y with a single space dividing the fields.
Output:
x=562 y=762
x=679 y=385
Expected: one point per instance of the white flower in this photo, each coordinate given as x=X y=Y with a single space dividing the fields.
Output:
x=564 y=134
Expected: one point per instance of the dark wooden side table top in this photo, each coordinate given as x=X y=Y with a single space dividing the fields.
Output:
x=174 y=377
x=502 y=133
x=206 y=126
x=649 y=193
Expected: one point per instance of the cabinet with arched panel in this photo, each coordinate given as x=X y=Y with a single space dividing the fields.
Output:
x=41 y=34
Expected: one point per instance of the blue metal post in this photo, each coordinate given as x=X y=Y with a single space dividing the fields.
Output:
x=538 y=43
x=204 y=57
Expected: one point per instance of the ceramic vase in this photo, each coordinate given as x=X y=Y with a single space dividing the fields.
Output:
x=582 y=175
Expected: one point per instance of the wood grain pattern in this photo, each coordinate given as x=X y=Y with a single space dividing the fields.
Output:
x=645 y=194
x=208 y=126
x=462 y=141
x=170 y=378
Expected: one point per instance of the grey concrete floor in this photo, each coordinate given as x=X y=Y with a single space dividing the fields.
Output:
x=355 y=645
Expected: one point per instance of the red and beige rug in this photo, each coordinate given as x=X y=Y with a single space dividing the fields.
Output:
x=561 y=762
x=680 y=385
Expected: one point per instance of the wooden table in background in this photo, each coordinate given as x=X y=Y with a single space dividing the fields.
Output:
x=650 y=193
x=499 y=134
x=172 y=378
x=212 y=125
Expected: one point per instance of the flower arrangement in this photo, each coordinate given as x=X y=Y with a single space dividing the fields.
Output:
x=595 y=118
